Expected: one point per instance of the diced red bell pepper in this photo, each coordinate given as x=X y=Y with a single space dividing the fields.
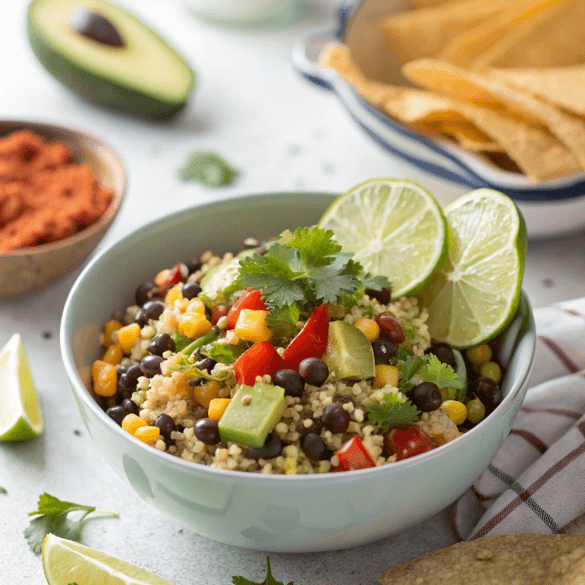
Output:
x=353 y=455
x=174 y=277
x=218 y=313
x=262 y=358
x=251 y=299
x=311 y=340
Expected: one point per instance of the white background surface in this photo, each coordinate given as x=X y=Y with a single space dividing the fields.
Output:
x=283 y=134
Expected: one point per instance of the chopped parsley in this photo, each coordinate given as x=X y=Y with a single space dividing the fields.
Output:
x=52 y=518
x=270 y=580
x=208 y=168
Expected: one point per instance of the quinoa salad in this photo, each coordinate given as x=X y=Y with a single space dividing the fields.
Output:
x=286 y=358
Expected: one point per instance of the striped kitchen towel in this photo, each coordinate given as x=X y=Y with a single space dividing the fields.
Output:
x=536 y=482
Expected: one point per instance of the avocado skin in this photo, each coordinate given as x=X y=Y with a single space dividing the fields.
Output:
x=96 y=88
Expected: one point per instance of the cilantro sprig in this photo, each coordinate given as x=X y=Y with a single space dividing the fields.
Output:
x=52 y=518
x=302 y=270
x=270 y=580
x=391 y=412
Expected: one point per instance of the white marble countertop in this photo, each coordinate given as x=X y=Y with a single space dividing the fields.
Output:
x=284 y=134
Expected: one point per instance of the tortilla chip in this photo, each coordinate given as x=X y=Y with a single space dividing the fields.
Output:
x=471 y=138
x=520 y=559
x=425 y=31
x=533 y=149
x=424 y=3
x=487 y=91
x=463 y=49
x=550 y=39
x=563 y=86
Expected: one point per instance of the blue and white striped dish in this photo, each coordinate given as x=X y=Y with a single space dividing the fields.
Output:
x=550 y=208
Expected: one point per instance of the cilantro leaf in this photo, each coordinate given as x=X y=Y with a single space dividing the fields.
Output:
x=283 y=322
x=225 y=353
x=3 y=490
x=52 y=518
x=316 y=246
x=389 y=413
x=329 y=285
x=270 y=580
x=181 y=341
x=376 y=282
x=440 y=374
x=208 y=168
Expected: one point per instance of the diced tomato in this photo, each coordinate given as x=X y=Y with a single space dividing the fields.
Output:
x=251 y=299
x=311 y=341
x=218 y=313
x=175 y=276
x=353 y=455
x=407 y=441
x=260 y=359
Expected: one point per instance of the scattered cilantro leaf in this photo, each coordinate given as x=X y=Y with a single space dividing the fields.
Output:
x=316 y=246
x=270 y=580
x=186 y=364
x=440 y=374
x=52 y=518
x=181 y=341
x=3 y=490
x=283 y=322
x=208 y=168
x=225 y=353
x=376 y=282
x=389 y=413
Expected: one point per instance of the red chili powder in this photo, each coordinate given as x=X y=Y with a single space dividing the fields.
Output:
x=44 y=195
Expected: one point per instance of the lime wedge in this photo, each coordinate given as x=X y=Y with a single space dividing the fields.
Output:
x=394 y=228
x=20 y=414
x=65 y=561
x=476 y=292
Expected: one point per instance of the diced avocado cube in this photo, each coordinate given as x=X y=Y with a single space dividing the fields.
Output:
x=349 y=353
x=252 y=413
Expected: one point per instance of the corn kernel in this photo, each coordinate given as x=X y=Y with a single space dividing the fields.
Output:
x=369 y=328
x=479 y=354
x=196 y=306
x=385 y=375
x=174 y=294
x=161 y=276
x=128 y=336
x=147 y=434
x=113 y=355
x=205 y=393
x=290 y=465
x=217 y=407
x=109 y=328
x=105 y=378
x=252 y=326
x=132 y=422
x=491 y=370
x=456 y=410
x=194 y=325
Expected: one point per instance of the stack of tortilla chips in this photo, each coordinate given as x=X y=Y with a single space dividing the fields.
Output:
x=501 y=78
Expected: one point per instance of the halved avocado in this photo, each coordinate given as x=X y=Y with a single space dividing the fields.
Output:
x=144 y=75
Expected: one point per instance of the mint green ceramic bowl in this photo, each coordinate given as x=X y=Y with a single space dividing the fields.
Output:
x=272 y=513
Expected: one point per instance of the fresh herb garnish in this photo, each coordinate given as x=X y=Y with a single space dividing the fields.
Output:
x=187 y=365
x=52 y=518
x=391 y=412
x=3 y=490
x=181 y=341
x=225 y=353
x=208 y=168
x=270 y=580
x=303 y=270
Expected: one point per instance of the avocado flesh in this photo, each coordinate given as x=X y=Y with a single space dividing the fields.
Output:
x=222 y=275
x=146 y=76
x=248 y=423
x=349 y=353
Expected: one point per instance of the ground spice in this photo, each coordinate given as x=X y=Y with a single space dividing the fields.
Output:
x=44 y=195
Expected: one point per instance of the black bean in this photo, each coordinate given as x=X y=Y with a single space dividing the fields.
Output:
x=194 y=266
x=272 y=448
x=488 y=392
x=130 y=378
x=291 y=381
x=121 y=370
x=161 y=343
x=315 y=427
x=150 y=365
x=206 y=364
x=427 y=396
x=384 y=351
x=383 y=296
x=207 y=431
x=444 y=353
x=144 y=292
x=117 y=414
x=153 y=309
x=196 y=381
x=313 y=446
x=191 y=290
x=335 y=418
x=130 y=407
x=314 y=371
x=141 y=318
x=166 y=425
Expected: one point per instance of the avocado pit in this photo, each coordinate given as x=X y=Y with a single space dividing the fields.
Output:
x=95 y=26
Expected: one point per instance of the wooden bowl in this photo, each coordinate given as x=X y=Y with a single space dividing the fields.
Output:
x=30 y=269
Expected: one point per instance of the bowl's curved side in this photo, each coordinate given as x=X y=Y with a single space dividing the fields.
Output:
x=274 y=513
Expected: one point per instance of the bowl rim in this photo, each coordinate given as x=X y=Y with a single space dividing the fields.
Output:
x=113 y=206
x=81 y=392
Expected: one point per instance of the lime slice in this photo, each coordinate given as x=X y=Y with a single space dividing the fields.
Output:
x=20 y=414
x=65 y=561
x=476 y=292
x=394 y=228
